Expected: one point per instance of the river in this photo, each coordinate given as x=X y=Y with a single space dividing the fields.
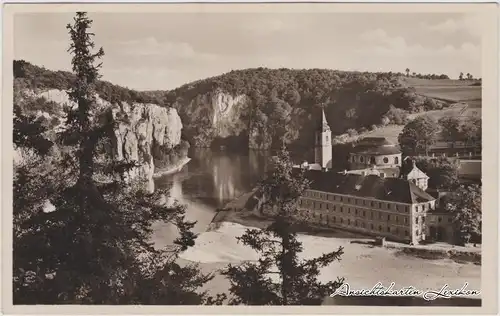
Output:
x=210 y=180
x=213 y=178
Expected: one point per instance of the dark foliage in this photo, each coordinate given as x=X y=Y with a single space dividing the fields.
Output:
x=418 y=135
x=283 y=100
x=395 y=116
x=430 y=76
x=280 y=277
x=93 y=246
x=29 y=132
x=37 y=78
x=442 y=172
x=465 y=206
x=280 y=102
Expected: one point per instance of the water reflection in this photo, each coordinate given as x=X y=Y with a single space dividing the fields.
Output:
x=211 y=179
x=217 y=177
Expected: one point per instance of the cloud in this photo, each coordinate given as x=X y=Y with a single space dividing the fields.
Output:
x=380 y=36
x=377 y=35
x=152 y=47
x=379 y=42
x=471 y=23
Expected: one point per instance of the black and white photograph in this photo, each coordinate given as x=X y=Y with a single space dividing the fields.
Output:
x=210 y=157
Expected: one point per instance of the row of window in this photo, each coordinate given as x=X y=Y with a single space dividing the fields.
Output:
x=357 y=212
x=357 y=201
x=440 y=219
x=363 y=202
x=423 y=207
x=333 y=220
x=372 y=159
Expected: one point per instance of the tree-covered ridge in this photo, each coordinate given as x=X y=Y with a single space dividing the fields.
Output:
x=283 y=102
x=279 y=105
x=32 y=77
x=77 y=240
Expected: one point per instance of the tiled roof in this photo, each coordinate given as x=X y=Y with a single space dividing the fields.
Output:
x=389 y=172
x=381 y=150
x=375 y=141
x=371 y=186
x=375 y=146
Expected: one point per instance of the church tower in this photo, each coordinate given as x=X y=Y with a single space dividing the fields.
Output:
x=323 y=143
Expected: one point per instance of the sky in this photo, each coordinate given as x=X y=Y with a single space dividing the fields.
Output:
x=162 y=51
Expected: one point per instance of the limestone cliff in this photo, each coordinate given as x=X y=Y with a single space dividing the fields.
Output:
x=227 y=110
x=214 y=115
x=138 y=128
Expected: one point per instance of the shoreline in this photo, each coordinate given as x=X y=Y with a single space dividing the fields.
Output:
x=235 y=212
x=363 y=264
x=174 y=169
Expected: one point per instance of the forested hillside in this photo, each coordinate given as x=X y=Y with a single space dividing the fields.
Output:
x=280 y=104
x=260 y=108
x=32 y=77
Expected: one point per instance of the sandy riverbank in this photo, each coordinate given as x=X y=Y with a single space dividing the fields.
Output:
x=362 y=265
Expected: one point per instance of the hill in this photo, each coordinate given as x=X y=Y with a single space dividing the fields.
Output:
x=462 y=97
x=448 y=90
x=39 y=79
x=142 y=132
x=259 y=108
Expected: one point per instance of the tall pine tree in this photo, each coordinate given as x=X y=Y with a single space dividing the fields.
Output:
x=93 y=246
x=297 y=280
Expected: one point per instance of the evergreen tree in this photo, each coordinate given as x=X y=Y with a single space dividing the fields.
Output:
x=279 y=247
x=93 y=245
x=465 y=206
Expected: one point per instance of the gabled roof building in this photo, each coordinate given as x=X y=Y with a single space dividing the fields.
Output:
x=375 y=198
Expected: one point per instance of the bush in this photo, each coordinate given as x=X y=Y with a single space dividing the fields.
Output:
x=431 y=104
x=395 y=116
x=352 y=132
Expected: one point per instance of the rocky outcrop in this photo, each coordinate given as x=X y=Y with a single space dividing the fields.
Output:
x=227 y=110
x=214 y=115
x=137 y=128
